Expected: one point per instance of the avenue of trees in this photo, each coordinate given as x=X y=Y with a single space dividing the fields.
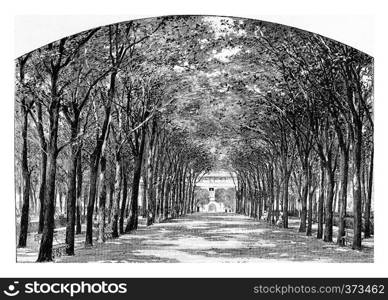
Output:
x=93 y=111
x=131 y=115
x=306 y=143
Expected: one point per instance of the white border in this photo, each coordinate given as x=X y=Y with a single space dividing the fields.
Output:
x=356 y=30
x=337 y=19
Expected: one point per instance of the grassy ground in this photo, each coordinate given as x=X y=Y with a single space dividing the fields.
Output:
x=213 y=237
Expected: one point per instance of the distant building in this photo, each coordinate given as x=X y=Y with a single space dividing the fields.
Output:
x=212 y=181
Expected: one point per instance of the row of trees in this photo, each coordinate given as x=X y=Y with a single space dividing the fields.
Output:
x=308 y=125
x=96 y=107
x=159 y=102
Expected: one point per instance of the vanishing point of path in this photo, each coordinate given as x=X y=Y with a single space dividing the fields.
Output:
x=217 y=237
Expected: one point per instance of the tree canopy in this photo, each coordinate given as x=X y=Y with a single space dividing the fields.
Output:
x=143 y=109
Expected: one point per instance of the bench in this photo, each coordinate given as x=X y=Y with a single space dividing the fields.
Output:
x=346 y=240
x=280 y=221
x=37 y=237
x=108 y=234
x=59 y=250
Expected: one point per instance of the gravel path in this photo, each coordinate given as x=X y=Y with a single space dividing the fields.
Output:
x=215 y=237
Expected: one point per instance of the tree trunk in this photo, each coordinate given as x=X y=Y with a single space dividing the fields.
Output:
x=367 y=232
x=303 y=214
x=166 y=198
x=320 y=204
x=79 y=193
x=71 y=198
x=123 y=202
x=46 y=244
x=343 y=196
x=143 y=194
x=26 y=181
x=117 y=197
x=85 y=200
x=277 y=205
x=310 y=212
x=161 y=195
x=144 y=199
x=102 y=213
x=93 y=173
x=149 y=191
x=102 y=202
x=72 y=188
x=111 y=192
x=33 y=199
x=328 y=234
x=357 y=222
x=271 y=196
x=172 y=199
x=183 y=192
x=133 y=215
x=95 y=160
x=285 y=199
x=260 y=199
x=43 y=165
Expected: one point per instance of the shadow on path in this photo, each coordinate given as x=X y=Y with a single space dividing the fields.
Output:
x=217 y=237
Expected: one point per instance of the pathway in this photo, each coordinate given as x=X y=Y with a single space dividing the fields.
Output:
x=218 y=237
